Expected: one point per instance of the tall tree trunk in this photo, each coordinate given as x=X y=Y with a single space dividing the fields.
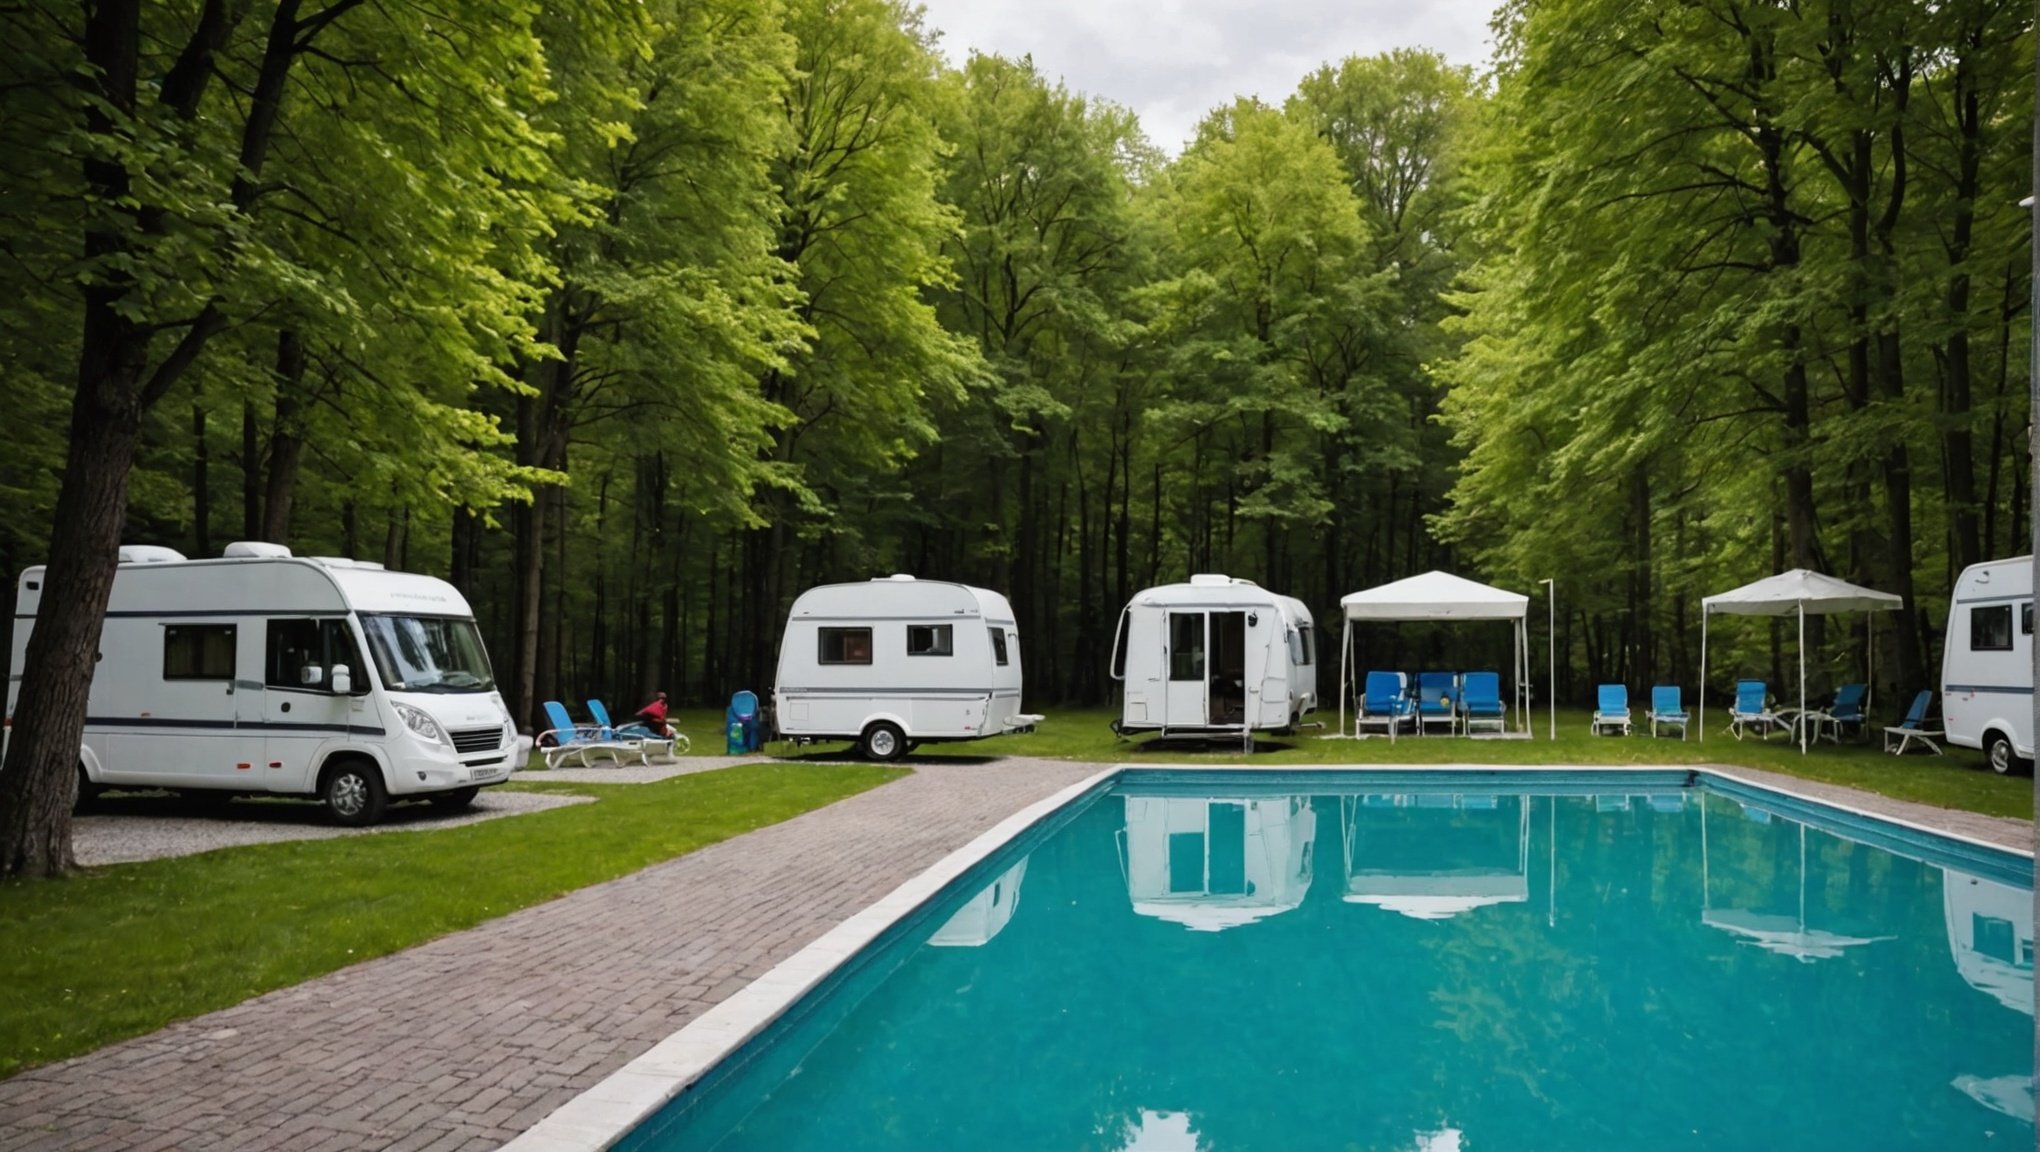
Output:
x=201 y=489
x=251 y=474
x=286 y=438
x=1957 y=439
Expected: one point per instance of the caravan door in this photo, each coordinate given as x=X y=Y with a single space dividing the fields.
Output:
x=1185 y=659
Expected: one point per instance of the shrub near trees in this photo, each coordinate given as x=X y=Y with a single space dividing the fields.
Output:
x=635 y=319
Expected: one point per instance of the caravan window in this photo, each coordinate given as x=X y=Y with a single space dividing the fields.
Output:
x=2025 y=619
x=1186 y=645
x=845 y=646
x=1299 y=645
x=998 y=645
x=1119 y=645
x=930 y=640
x=198 y=652
x=1990 y=628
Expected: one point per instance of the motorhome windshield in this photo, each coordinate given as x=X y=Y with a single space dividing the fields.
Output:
x=428 y=654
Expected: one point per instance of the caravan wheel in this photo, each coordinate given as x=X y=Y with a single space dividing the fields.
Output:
x=883 y=741
x=2004 y=758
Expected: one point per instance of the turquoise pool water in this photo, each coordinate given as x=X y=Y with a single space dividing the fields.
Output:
x=1375 y=963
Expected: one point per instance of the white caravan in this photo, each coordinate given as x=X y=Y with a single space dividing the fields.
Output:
x=985 y=915
x=1212 y=863
x=1215 y=655
x=246 y=675
x=895 y=662
x=1987 y=663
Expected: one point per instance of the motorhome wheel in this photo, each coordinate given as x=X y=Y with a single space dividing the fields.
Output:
x=883 y=741
x=353 y=793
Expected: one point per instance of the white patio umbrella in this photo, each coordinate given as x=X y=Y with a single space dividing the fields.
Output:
x=1775 y=932
x=1798 y=592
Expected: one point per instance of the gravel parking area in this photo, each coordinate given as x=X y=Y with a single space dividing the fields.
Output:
x=629 y=773
x=143 y=827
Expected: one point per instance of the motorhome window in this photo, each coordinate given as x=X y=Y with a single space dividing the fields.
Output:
x=1119 y=645
x=295 y=646
x=931 y=640
x=2025 y=619
x=998 y=645
x=845 y=646
x=1186 y=645
x=428 y=653
x=1990 y=628
x=1308 y=632
x=198 y=652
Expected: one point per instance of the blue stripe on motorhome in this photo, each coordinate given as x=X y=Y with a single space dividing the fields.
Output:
x=175 y=724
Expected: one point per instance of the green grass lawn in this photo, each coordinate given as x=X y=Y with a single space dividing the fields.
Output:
x=1956 y=780
x=123 y=950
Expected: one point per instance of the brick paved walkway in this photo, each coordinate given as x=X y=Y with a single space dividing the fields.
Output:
x=466 y=1041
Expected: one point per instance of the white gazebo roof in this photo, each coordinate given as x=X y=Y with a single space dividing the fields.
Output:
x=1787 y=592
x=1435 y=596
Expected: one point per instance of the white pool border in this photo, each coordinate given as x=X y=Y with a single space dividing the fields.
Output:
x=604 y=1114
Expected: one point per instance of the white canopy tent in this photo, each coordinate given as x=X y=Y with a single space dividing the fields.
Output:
x=1798 y=592
x=1438 y=596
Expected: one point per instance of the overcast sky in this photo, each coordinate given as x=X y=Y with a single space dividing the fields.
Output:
x=1172 y=61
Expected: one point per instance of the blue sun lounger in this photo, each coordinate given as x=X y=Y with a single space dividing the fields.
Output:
x=1386 y=704
x=1480 y=702
x=1613 y=712
x=1667 y=709
x=566 y=739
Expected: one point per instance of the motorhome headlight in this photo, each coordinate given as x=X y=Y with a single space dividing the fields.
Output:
x=422 y=725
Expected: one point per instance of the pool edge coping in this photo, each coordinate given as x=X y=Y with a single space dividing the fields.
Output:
x=602 y=1115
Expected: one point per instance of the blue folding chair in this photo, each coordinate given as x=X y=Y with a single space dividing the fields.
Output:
x=1750 y=710
x=1613 y=712
x=567 y=739
x=1668 y=709
x=1845 y=712
x=1480 y=702
x=1386 y=704
x=1437 y=700
x=1913 y=727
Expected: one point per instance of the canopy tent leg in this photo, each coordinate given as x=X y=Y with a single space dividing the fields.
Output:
x=1345 y=651
x=1869 y=676
x=1701 y=695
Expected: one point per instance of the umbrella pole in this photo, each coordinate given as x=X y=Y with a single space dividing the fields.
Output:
x=1802 y=677
x=1702 y=693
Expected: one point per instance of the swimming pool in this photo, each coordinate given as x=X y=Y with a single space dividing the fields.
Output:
x=1417 y=961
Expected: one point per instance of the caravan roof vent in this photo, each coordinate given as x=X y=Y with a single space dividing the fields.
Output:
x=251 y=549
x=148 y=554
x=1212 y=580
x=894 y=576
x=344 y=562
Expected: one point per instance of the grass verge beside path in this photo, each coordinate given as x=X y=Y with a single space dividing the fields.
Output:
x=123 y=950
x=1956 y=780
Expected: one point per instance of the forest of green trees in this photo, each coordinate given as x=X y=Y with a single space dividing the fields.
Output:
x=634 y=319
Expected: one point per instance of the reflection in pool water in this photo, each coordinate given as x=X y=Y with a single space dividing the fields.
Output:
x=1666 y=968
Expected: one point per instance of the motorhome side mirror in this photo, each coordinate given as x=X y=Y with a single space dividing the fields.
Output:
x=311 y=675
x=343 y=680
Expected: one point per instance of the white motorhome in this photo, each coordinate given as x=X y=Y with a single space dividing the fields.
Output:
x=895 y=662
x=247 y=675
x=1987 y=663
x=1215 y=655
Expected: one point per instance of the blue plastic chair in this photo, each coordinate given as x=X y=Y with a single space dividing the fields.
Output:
x=740 y=722
x=1613 y=712
x=1845 y=712
x=1480 y=701
x=1750 y=711
x=568 y=739
x=1386 y=704
x=1668 y=709
x=1437 y=699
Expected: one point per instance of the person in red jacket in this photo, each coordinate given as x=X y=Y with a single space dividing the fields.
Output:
x=653 y=716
